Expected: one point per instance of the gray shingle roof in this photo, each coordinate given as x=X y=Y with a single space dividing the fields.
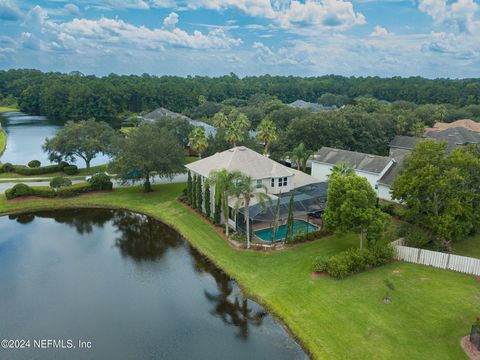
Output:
x=355 y=160
x=398 y=155
x=404 y=142
x=455 y=137
x=301 y=104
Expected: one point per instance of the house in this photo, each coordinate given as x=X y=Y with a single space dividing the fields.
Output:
x=267 y=175
x=313 y=107
x=372 y=167
x=160 y=113
x=381 y=171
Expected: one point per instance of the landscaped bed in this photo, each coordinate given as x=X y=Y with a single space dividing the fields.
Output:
x=334 y=319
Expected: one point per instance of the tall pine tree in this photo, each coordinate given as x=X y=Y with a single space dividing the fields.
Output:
x=194 y=191
x=289 y=226
x=217 y=213
x=207 y=200
x=199 y=194
x=189 y=188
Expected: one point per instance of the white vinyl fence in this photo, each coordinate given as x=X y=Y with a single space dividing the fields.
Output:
x=436 y=259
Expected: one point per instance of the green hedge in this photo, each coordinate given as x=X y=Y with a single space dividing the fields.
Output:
x=28 y=171
x=312 y=235
x=354 y=261
x=22 y=190
x=70 y=170
x=74 y=190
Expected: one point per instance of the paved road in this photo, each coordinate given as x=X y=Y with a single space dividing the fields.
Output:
x=176 y=179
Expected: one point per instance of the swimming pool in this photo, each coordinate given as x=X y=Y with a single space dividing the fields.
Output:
x=299 y=227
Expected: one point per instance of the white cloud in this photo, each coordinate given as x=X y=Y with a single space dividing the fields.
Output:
x=461 y=15
x=379 y=31
x=9 y=10
x=298 y=53
x=170 y=21
x=107 y=33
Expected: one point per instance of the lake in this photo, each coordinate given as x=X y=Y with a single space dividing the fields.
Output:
x=25 y=136
x=128 y=284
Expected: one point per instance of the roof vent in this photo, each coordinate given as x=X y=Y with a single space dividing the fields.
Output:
x=370 y=156
x=242 y=148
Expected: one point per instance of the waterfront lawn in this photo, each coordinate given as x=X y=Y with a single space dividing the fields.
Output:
x=7 y=109
x=335 y=319
x=3 y=141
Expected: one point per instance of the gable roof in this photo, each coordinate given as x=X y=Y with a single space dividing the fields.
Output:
x=398 y=155
x=464 y=123
x=314 y=107
x=161 y=112
x=404 y=142
x=355 y=160
x=250 y=163
x=455 y=137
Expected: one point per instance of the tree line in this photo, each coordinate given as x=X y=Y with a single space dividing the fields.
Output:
x=76 y=96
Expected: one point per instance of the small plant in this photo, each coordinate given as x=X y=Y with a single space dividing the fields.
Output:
x=390 y=287
x=239 y=238
x=34 y=164
x=101 y=182
x=59 y=181
x=70 y=170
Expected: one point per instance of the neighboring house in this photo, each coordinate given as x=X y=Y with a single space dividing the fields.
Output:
x=371 y=167
x=277 y=179
x=314 y=107
x=381 y=171
x=160 y=113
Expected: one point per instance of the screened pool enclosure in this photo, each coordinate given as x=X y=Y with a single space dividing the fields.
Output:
x=309 y=203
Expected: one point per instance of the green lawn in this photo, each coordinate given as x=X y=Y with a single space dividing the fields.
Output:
x=7 y=109
x=468 y=247
x=3 y=141
x=431 y=309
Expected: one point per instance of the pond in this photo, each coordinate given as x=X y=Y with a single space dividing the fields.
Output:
x=25 y=136
x=128 y=284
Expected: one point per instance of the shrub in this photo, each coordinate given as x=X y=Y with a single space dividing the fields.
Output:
x=304 y=236
x=34 y=164
x=388 y=208
x=63 y=164
x=7 y=167
x=417 y=237
x=100 y=182
x=354 y=261
x=59 y=181
x=70 y=170
x=23 y=170
x=74 y=190
x=43 y=191
x=18 y=190
x=239 y=238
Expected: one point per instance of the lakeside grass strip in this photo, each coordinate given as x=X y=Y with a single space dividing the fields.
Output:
x=333 y=319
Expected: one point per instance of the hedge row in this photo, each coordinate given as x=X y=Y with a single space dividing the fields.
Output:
x=23 y=170
x=22 y=190
x=354 y=261
x=312 y=235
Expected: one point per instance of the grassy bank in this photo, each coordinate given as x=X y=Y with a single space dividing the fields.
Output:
x=7 y=109
x=431 y=309
x=3 y=141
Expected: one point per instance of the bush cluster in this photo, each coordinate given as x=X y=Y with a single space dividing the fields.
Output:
x=74 y=190
x=34 y=168
x=34 y=164
x=313 y=235
x=354 y=261
x=22 y=190
x=100 y=182
x=59 y=181
x=239 y=238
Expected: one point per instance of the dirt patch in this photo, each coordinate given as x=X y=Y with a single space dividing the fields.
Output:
x=469 y=348
x=316 y=275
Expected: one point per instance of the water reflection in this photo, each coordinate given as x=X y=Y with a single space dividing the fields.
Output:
x=230 y=306
x=178 y=306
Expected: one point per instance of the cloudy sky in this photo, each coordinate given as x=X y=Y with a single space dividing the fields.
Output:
x=431 y=38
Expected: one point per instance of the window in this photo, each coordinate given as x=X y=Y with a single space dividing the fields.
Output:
x=280 y=182
x=273 y=182
x=285 y=181
x=259 y=183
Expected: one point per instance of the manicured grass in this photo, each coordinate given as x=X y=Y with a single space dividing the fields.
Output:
x=3 y=141
x=82 y=173
x=431 y=309
x=7 y=109
x=468 y=247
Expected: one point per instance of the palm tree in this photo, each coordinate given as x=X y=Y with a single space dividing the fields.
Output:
x=198 y=140
x=220 y=120
x=418 y=128
x=266 y=133
x=244 y=190
x=234 y=133
x=242 y=121
x=300 y=155
x=224 y=181
x=342 y=169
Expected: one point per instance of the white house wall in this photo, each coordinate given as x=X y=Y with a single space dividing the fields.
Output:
x=384 y=192
x=323 y=171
